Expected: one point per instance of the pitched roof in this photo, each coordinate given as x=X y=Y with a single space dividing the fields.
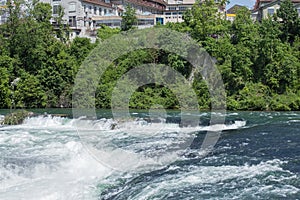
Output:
x=258 y=2
x=234 y=8
x=99 y=3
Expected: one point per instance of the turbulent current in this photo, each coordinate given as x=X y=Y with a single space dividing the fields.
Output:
x=256 y=157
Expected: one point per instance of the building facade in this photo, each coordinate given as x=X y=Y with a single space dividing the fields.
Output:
x=231 y=12
x=175 y=9
x=3 y=12
x=267 y=8
x=85 y=16
x=80 y=14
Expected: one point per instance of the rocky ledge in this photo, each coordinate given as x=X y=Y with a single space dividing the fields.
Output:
x=16 y=117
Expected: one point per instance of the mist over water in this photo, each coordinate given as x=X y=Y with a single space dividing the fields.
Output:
x=257 y=157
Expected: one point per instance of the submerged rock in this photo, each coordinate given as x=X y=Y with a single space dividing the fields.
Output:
x=16 y=117
x=1 y=119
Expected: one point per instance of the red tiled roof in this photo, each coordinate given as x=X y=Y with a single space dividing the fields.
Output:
x=151 y=4
x=159 y=1
x=99 y=2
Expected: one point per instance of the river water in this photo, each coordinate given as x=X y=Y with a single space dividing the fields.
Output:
x=256 y=157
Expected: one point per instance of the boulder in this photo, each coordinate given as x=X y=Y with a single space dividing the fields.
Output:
x=16 y=117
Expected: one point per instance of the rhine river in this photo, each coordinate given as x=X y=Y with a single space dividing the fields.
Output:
x=256 y=157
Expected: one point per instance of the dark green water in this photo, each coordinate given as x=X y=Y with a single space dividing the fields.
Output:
x=256 y=157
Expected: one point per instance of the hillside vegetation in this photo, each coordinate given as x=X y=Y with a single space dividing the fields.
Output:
x=259 y=62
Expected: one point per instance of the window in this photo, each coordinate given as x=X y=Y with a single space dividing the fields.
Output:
x=143 y=22
x=271 y=11
x=172 y=8
x=100 y=11
x=298 y=10
x=168 y=13
x=159 y=20
x=4 y=18
x=111 y=23
x=55 y=9
x=105 y=11
x=182 y=8
x=72 y=7
x=72 y=21
x=95 y=10
x=90 y=9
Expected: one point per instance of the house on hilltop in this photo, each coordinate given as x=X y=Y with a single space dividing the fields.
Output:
x=231 y=12
x=85 y=16
x=265 y=8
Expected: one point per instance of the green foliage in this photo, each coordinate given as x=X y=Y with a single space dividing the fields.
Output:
x=129 y=19
x=254 y=96
x=62 y=29
x=149 y=96
x=202 y=93
x=42 y=13
x=4 y=87
x=290 y=23
x=16 y=117
x=32 y=52
x=288 y=101
x=259 y=62
x=106 y=32
x=255 y=61
x=205 y=21
x=180 y=27
x=28 y=92
x=80 y=49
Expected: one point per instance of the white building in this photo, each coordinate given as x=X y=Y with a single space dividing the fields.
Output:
x=266 y=8
x=175 y=9
x=85 y=16
x=79 y=14
x=3 y=12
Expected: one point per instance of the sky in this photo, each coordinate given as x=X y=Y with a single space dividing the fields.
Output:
x=248 y=3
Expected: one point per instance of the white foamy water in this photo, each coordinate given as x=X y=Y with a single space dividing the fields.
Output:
x=44 y=159
x=138 y=125
x=251 y=179
x=43 y=163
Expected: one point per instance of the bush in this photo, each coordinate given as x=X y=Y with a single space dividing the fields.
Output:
x=17 y=117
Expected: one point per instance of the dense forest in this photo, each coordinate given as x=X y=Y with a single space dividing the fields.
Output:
x=259 y=61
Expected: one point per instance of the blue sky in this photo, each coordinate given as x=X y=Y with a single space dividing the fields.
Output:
x=248 y=3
